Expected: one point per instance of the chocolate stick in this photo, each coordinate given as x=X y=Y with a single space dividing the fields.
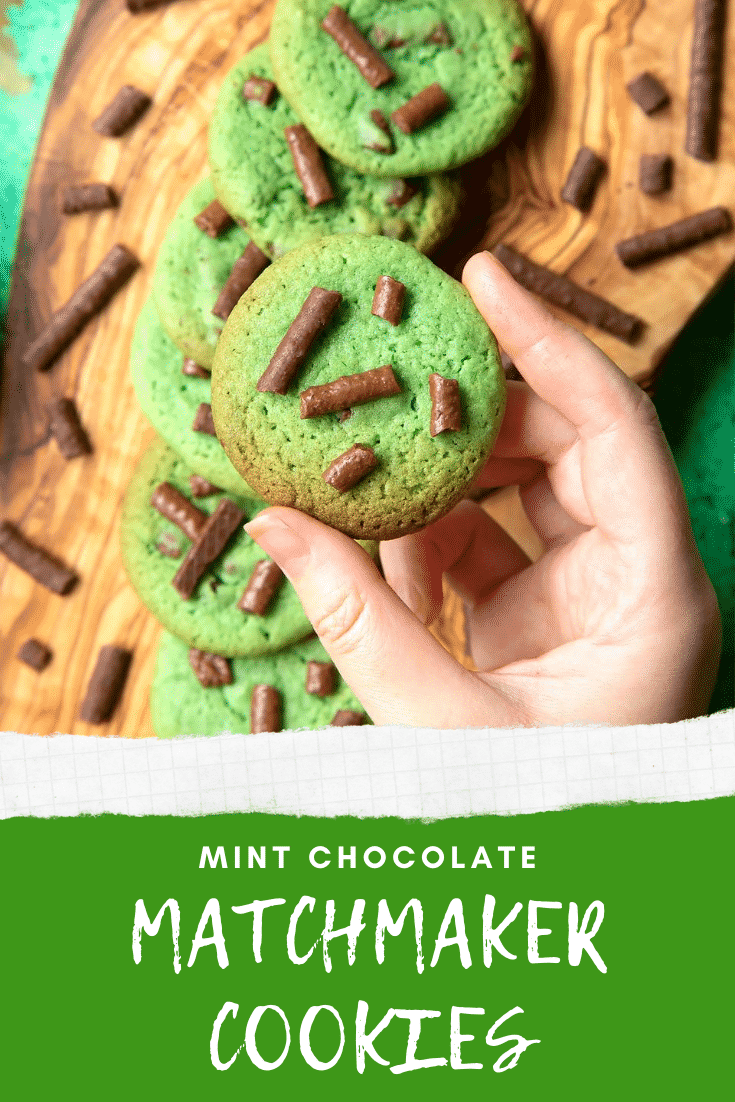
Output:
x=214 y=219
x=648 y=93
x=401 y=193
x=321 y=678
x=35 y=654
x=124 y=110
x=203 y=421
x=353 y=45
x=265 y=709
x=705 y=79
x=348 y=469
x=388 y=299
x=446 y=409
x=211 y=670
x=67 y=429
x=654 y=174
x=568 y=295
x=202 y=487
x=83 y=197
x=259 y=89
x=584 y=175
x=191 y=367
x=106 y=684
x=421 y=109
x=96 y=291
x=245 y=271
x=172 y=505
x=312 y=318
x=35 y=561
x=209 y=545
x=348 y=391
x=265 y=580
x=307 y=159
x=346 y=717
x=646 y=247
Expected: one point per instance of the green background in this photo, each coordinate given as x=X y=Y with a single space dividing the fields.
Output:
x=81 y=1020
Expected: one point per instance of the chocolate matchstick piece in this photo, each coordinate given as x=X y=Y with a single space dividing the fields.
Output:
x=388 y=299
x=265 y=709
x=648 y=93
x=203 y=421
x=446 y=409
x=35 y=561
x=211 y=670
x=353 y=45
x=402 y=193
x=440 y=36
x=96 y=291
x=172 y=505
x=348 y=469
x=562 y=292
x=321 y=678
x=67 y=429
x=106 y=684
x=517 y=54
x=655 y=173
x=214 y=219
x=259 y=90
x=124 y=110
x=201 y=487
x=307 y=160
x=135 y=6
x=245 y=271
x=349 y=391
x=584 y=175
x=345 y=717
x=35 y=654
x=209 y=545
x=191 y=367
x=265 y=581
x=168 y=545
x=312 y=318
x=705 y=79
x=673 y=238
x=387 y=145
x=421 y=109
x=81 y=197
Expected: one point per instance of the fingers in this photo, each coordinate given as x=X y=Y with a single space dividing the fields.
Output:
x=398 y=671
x=553 y=524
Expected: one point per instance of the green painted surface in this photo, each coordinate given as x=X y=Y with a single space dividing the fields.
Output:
x=696 y=398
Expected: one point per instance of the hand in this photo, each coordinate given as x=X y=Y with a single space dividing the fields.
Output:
x=617 y=621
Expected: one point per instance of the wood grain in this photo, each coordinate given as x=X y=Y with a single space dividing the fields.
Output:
x=587 y=51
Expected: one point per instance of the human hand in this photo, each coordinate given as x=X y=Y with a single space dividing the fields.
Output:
x=617 y=622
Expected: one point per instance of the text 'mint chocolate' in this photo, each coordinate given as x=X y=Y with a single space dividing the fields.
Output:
x=211 y=670
x=446 y=409
x=307 y=160
x=705 y=79
x=35 y=654
x=265 y=581
x=209 y=545
x=388 y=299
x=124 y=110
x=82 y=197
x=346 y=717
x=673 y=238
x=655 y=173
x=259 y=89
x=348 y=391
x=35 y=561
x=67 y=430
x=421 y=109
x=353 y=45
x=265 y=709
x=321 y=678
x=202 y=487
x=96 y=291
x=214 y=219
x=245 y=271
x=203 y=420
x=191 y=367
x=648 y=92
x=583 y=178
x=172 y=505
x=562 y=292
x=311 y=320
x=348 y=469
x=106 y=684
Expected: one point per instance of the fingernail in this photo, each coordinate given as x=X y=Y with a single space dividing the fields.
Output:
x=284 y=545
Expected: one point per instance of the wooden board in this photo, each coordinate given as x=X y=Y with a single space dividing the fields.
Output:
x=588 y=49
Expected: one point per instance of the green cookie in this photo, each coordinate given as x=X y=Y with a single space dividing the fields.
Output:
x=180 y=706
x=170 y=400
x=418 y=478
x=190 y=272
x=478 y=51
x=210 y=620
x=254 y=176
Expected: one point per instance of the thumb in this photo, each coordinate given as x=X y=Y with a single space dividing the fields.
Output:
x=395 y=667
